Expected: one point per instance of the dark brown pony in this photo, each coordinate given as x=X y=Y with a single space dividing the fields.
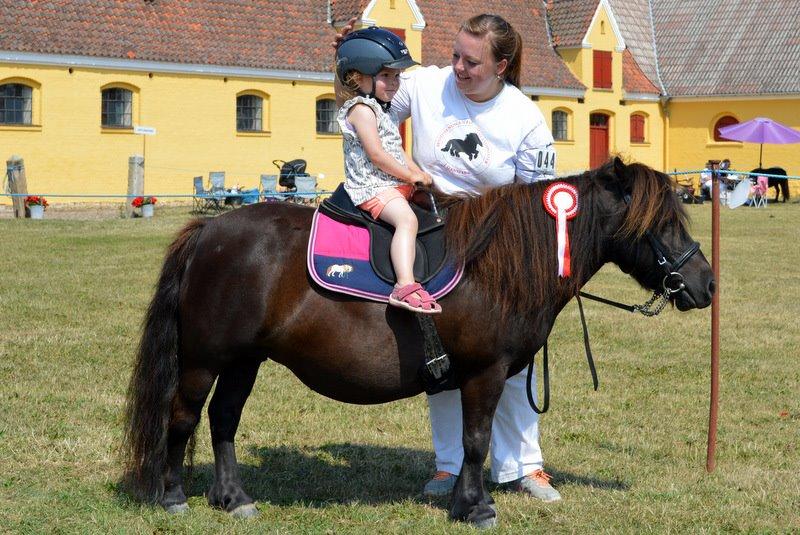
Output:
x=234 y=291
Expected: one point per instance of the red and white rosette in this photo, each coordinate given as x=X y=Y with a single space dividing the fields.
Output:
x=561 y=201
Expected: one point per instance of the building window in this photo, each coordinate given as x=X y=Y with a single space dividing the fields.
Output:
x=723 y=121
x=602 y=69
x=16 y=103
x=249 y=113
x=560 y=125
x=117 y=108
x=326 y=116
x=637 y=128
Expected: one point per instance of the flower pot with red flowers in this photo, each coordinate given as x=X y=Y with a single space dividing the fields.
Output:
x=145 y=204
x=36 y=205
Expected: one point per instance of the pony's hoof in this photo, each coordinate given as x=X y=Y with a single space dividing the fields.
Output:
x=483 y=517
x=177 y=508
x=486 y=523
x=247 y=510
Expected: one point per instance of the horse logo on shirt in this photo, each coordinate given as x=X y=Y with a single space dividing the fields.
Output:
x=462 y=149
x=469 y=146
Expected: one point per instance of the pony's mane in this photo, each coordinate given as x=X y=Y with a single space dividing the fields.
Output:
x=507 y=241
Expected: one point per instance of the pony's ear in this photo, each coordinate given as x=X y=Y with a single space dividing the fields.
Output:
x=624 y=173
x=620 y=169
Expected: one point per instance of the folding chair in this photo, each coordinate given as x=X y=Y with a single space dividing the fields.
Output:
x=269 y=189
x=217 y=190
x=306 y=192
x=759 y=192
x=200 y=195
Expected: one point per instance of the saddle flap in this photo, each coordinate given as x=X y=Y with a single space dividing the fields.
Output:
x=430 y=254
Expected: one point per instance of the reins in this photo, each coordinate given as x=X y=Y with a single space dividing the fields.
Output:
x=672 y=283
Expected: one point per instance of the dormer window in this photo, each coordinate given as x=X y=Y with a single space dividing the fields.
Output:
x=602 y=69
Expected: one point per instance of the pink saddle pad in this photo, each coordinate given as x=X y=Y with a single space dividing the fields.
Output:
x=338 y=260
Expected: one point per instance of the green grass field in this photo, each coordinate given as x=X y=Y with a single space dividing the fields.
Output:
x=629 y=458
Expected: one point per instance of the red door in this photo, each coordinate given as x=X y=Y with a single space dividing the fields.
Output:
x=598 y=139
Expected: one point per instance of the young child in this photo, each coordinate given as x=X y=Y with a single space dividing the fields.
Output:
x=379 y=179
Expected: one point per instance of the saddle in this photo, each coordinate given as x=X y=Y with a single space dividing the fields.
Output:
x=337 y=261
x=430 y=253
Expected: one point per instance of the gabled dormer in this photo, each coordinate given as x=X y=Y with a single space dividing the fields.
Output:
x=402 y=16
x=586 y=35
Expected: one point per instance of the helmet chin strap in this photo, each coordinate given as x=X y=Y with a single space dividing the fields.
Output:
x=385 y=106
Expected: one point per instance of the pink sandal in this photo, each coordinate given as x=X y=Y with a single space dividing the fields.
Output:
x=404 y=297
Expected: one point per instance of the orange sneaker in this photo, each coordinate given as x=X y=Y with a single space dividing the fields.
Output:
x=537 y=484
x=441 y=484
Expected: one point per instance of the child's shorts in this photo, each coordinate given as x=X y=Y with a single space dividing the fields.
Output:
x=376 y=204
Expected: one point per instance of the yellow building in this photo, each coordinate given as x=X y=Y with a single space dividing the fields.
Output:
x=233 y=87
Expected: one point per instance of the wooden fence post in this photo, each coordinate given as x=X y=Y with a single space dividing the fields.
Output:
x=135 y=181
x=17 y=183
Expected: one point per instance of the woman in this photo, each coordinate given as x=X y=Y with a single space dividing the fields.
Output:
x=474 y=129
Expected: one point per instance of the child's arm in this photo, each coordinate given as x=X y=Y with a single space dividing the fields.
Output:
x=414 y=167
x=363 y=120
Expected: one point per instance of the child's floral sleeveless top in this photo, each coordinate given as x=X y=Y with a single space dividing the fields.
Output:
x=363 y=179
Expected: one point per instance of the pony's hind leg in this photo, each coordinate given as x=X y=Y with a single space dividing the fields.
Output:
x=193 y=388
x=224 y=412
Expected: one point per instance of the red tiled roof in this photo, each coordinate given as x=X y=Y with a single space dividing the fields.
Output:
x=728 y=47
x=633 y=79
x=569 y=20
x=267 y=34
x=541 y=66
x=635 y=24
x=344 y=10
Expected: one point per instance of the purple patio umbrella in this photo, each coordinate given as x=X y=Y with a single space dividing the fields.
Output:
x=761 y=130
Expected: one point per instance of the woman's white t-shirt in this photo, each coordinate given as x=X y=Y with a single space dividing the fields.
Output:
x=469 y=146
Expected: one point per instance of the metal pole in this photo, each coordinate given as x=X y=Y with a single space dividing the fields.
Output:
x=714 y=403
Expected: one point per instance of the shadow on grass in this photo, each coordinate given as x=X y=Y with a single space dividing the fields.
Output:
x=561 y=477
x=329 y=474
x=351 y=473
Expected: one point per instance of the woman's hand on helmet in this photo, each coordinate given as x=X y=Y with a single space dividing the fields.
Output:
x=347 y=28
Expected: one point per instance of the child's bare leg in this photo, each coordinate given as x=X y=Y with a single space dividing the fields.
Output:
x=398 y=213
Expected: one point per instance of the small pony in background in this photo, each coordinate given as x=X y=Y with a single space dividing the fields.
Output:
x=781 y=185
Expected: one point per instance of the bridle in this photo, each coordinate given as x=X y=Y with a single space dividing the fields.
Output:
x=671 y=284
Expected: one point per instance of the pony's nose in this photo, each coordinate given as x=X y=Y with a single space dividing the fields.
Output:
x=712 y=287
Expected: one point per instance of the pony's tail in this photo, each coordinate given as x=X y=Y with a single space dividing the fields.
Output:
x=785 y=189
x=155 y=376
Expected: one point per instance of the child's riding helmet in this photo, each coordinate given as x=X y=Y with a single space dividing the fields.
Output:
x=369 y=50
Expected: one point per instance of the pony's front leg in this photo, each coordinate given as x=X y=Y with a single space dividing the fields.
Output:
x=479 y=396
x=224 y=412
